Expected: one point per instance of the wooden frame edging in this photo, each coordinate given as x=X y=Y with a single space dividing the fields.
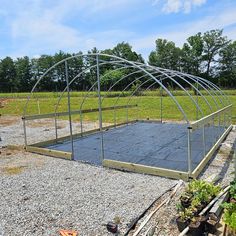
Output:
x=49 y=152
x=137 y=168
x=208 y=156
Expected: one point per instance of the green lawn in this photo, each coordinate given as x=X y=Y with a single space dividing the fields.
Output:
x=148 y=105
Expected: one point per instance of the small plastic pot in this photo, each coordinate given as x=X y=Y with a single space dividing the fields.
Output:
x=196 y=229
x=211 y=226
x=185 y=202
x=181 y=224
x=232 y=200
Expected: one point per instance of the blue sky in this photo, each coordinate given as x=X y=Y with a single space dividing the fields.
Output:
x=35 y=27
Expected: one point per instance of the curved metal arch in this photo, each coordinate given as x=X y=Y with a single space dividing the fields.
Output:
x=95 y=83
x=77 y=76
x=109 y=56
x=144 y=83
x=190 y=85
x=168 y=92
x=197 y=81
x=201 y=79
x=142 y=67
x=219 y=90
x=196 y=89
x=127 y=87
x=189 y=95
x=205 y=82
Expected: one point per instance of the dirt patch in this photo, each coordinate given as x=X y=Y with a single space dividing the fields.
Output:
x=9 y=120
x=13 y=170
x=41 y=123
x=3 y=102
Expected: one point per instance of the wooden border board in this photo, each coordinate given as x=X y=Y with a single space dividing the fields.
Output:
x=137 y=168
x=49 y=152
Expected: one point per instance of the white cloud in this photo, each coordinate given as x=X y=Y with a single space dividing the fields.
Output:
x=175 y=6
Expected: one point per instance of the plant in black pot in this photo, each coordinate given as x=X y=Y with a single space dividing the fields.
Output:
x=185 y=199
x=196 y=205
x=184 y=218
x=230 y=217
x=197 y=226
x=232 y=192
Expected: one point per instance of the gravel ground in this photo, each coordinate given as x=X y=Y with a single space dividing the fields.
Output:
x=41 y=195
x=11 y=130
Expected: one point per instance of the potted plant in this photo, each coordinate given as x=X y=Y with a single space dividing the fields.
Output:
x=229 y=217
x=196 y=205
x=185 y=199
x=212 y=223
x=197 y=226
x=196 y=196
x=232 y=192
x=184 y=218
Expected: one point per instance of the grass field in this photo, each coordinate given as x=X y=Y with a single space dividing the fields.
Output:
x=148 y=105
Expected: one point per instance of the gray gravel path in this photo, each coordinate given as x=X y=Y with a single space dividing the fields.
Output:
x=11 y=130
x=41 y=195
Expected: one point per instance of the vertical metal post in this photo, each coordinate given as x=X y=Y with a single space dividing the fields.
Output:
x=24 y=127
x=230 y=119
x=224 y=121
x=69 y=110
x=114 y=117
x=197 y=100
x=81 y=123
x=189 y=151
x=38 y=106
x=127 y=115
x=234 y=150
x=55 y=121
x=204 y=140
x=219 y=123
x=161 y=93
x=213 y=131
x=100 y=108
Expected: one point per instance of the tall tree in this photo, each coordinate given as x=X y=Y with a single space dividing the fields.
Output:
x=227 y=65
x=23 y=74
x=40 y=66
x=192 y=54
x=166 y=55
x=213 y=42
x=8 y=80
x=125 y=51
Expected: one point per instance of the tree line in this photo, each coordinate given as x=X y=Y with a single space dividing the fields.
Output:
x=210 y=55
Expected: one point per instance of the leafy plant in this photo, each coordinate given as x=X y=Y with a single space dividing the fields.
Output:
x=232 y=190
x=230 y=214
x=203 y=190
x=196 y=202
x=186 y=214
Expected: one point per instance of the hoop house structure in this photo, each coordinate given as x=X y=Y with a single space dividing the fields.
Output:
x=125 y=118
